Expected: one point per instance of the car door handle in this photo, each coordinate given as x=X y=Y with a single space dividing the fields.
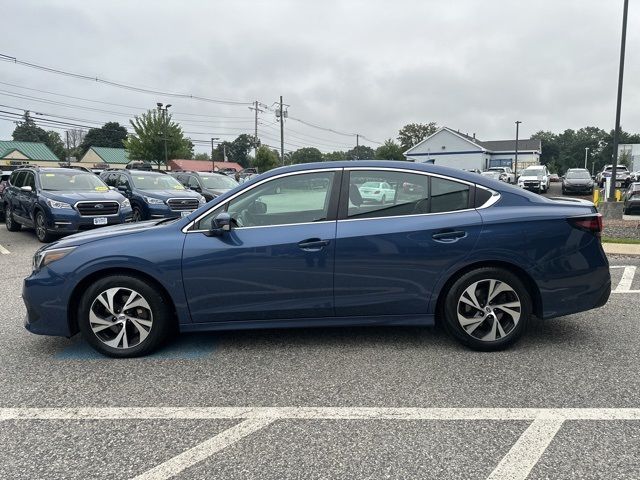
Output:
x=313 y=244
x=449 y=237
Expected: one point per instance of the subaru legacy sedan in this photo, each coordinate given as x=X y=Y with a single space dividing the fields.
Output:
x=299 y=247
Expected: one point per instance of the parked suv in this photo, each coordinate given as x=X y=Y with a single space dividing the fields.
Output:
x=506 y=174
x=623 y=177
x=153 y=194
x=59 y=201
x=535 y=177
x=210 y=185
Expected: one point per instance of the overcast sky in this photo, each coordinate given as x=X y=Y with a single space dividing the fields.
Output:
x=355 y=66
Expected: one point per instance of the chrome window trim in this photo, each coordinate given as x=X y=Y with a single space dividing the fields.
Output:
x=75 y=206
x=186 y=228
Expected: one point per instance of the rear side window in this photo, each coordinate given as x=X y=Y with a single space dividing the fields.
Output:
x=448 y=196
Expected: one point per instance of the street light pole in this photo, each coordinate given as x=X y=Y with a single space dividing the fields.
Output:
x=163 y=114
x=616 y=133
x=213 y=162
x=586 y=152
x=515 y=165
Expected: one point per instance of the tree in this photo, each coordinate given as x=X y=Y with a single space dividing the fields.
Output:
x=414 y=133
x=360 y=152
x=237 y=151
x=266 y=159
x=54 y=142
x=334 y=156
x=389 y=151
x=111 y=134
x=306 y=155
x=155 y=131
x=202 y=156
x=76 y=137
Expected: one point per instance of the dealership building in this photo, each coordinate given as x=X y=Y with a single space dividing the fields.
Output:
x=452 y=148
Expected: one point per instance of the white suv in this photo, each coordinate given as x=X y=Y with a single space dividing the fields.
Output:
x=535 y=177
x=506 y=174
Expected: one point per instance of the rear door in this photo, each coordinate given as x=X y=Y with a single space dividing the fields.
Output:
x=390 y=256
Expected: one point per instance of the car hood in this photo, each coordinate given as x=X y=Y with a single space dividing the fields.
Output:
x=170 y=193
x=104 y=232
x=73 y=197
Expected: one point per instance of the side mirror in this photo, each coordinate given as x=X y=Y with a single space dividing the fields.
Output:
x=26 y=188
x=220 y=225
x=122 y=188
x=196 y=188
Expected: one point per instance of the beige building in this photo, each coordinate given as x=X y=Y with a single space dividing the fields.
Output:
x=14 y=153
x=100 y=157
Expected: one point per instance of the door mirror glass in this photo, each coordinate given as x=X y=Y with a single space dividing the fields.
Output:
x=122 y=188
x=26 y=188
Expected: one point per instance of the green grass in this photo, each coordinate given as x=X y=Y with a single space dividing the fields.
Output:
x=629 y=241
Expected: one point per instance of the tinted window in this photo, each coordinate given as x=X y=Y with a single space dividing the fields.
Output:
x=17 y=178
x=293 y=199
x=482 y=196
x=448 y=196
x=380 y=193
x=193 y=182
x=111 y=179
x=123 y=181
x=30 y=180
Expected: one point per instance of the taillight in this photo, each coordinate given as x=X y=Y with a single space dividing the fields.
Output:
x=591 y=223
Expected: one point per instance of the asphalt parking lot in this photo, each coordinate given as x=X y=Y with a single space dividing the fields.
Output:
x=325 y=403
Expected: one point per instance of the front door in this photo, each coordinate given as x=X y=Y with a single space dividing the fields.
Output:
x=276 y=262
x=389 y=255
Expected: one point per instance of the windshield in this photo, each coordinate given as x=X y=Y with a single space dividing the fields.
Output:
x=155 y=181
x=72 y=181
x=218 y=181
x=532 y=172
x=578 y=174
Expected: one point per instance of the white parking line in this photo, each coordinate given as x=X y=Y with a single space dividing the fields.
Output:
x=204 y=450
x=516 y=464
x=4 y=251
x=624 y=286
x=525 y=453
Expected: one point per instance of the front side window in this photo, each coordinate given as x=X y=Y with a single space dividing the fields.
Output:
x=302 y=198
x=30 y=181
x=123 y=181
x=193 y=182
x=17 y=178
x=383 y=193
x=75 y=181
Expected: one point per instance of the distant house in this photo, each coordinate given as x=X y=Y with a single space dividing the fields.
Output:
x=99 y=156
x=202 y=165
x=452 y=148
x=34 y=153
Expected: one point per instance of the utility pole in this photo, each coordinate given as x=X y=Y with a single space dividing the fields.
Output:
x=281 y=131
x=515 y=166
x=224 y=152
x=256 y=108
x=213 y=162
x=586 y=151
x=164 y=116
x=68 y=149
x=357 y=146
x=616 y=133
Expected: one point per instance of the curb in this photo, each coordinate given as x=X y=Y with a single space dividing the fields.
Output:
x=621 y=249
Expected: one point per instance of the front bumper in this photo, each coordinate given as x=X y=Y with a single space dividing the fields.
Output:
x=531 y=185
x=578 y=188
x=47 y=314
x=65 y=221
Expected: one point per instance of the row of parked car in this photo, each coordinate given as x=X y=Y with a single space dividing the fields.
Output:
x=61 y=201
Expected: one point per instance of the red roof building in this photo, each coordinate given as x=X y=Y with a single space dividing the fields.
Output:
x=201 y=165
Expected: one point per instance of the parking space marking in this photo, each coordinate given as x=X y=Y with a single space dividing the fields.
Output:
x=624 y=285
x=204 y=450
x=4 y=251
x=525 y=453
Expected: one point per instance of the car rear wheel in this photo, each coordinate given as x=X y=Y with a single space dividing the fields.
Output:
x=41 y=228
x=9 y=221
x=122 y=316
x=487 y=309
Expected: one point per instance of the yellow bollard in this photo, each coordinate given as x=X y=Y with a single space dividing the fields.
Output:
x=596 y=197
x=618 y=195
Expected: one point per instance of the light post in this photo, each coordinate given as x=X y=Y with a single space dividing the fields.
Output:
x=163 y=113
x=515 y=167
x=213 y=162
x=586 y=152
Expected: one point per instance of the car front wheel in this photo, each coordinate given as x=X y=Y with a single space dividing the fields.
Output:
x=41 y=228
x=123 y=316
x=137 y=214
x=487 y=309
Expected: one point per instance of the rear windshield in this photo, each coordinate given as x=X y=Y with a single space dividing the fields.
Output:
x=155 y=181
x=71 y=181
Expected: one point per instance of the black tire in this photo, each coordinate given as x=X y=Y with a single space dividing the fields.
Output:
x=137 y=214
x=453 y=299
x=163 y=321
x=564 y=192
x=40 y=225
x=9 y=221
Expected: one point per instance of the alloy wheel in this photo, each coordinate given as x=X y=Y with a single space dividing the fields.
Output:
x=41 y=230
x=137 y=215
x=489 y=310
x=120 y=318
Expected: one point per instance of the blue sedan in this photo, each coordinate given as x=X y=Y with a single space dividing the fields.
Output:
x=299 y=247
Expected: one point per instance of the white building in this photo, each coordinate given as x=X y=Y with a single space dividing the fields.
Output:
x=454 y=149
x=633 y=151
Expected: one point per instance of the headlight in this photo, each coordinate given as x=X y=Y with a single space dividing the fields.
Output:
x=202 y=200
x=56 y=204
x=153 y=201
x=125 y=203
x=45 y=257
